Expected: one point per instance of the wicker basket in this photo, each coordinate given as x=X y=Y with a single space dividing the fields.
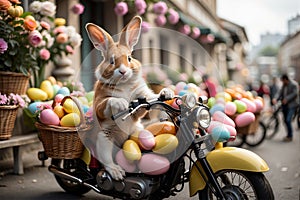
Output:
x=8 y=116
x=60 y=142
x=11 y=82
x=251 y=128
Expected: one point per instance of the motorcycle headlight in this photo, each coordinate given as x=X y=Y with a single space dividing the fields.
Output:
x=190 y=100
x=203 y=117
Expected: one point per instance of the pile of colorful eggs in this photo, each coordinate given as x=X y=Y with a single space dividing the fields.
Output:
x=146 y=150
x=53 y=108
x=234 y=107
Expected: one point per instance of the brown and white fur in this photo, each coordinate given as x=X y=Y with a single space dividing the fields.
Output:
x=119 y=82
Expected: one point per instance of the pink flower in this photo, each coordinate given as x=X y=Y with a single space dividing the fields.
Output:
x=69 y=49
x=121 y=8
x=185 y=29
x=140 y=6
x=208 y=38
x=48 y=8
x=44 y=54
x=195 y=32
x=62 y=38
x=45 y=25
x=59 y=29
x=78 y=9
x=160 y=8
x=145 y=27
x=35 y=38
x=173 y=16
x=160 y=20
x=3 y=46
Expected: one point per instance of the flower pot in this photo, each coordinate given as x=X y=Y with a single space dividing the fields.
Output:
x=8 y=116
x=11 y=82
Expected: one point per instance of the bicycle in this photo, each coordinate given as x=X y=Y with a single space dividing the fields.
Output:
x=272 y=122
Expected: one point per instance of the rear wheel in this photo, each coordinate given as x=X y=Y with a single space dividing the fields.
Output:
x=78 y=170
x=258 y=137
x=240 y=185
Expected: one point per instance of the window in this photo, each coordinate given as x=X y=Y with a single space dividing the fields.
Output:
x=164 y=50
x=182 y=58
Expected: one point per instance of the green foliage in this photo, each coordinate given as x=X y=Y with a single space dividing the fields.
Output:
x=269 y=51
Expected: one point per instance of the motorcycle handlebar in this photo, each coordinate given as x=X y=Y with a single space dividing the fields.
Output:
x=142 y=103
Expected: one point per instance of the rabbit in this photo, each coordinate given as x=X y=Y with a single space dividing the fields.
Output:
x=119 y=81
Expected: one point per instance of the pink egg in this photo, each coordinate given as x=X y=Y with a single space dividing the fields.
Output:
x=232 y=132
x=49 y=117
x=222 y=117
x=244 y=119
x=153 y=164
x=259 y=105
x=251 y=107
x=58 y=98
x=124 y=163
x=230 y=108
x=179 y=86
x=146 y=139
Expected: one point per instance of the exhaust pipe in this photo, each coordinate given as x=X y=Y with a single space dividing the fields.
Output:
x=61 y=173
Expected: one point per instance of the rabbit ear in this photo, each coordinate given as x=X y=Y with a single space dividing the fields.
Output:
x=99 y=37
x=131 y=33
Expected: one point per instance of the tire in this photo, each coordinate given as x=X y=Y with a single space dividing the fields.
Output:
x=240 y=185
x=272 y=128
x=258 y=137
x=238 y=142
x=69 y=186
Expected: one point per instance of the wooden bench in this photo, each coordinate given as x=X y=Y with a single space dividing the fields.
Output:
x=16 y=142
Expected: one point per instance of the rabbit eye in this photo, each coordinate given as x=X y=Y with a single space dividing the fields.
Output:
x=129 y=58
x=112 y=60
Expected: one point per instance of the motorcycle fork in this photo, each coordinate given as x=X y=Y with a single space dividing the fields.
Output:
x=209 y=175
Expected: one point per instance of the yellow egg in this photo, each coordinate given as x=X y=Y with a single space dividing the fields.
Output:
x=46 y=86
x=70 y=106
x=37 y=94
x=165 y=143
x=135 y=137
x=161 y=128
x=70 y=120
x=131 y=150
x=52 y=80
x=83 y=100
x=224 y=95
x=59 y=110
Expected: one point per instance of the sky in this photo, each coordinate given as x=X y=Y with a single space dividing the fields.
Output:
x=259 y=16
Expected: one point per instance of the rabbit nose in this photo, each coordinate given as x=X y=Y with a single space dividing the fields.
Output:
x=122 y=71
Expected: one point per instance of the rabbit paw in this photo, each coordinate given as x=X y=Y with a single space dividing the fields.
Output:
x=115 y=171
x=117 y=105
x=167 y=92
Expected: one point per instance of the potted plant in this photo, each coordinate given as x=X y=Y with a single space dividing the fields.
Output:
x=9 y=105
x=17 y=47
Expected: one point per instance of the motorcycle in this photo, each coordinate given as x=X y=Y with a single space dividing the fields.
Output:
x=211 y=170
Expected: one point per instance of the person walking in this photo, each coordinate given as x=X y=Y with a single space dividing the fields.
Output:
x=273 y=90
x=210 y=86
x=289 y=97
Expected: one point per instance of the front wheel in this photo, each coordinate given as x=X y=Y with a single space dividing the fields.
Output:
x=240 y=185
x=70 y=186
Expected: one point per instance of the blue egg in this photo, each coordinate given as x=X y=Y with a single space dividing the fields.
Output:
x=216 y=107
x=85 y=108
x=55 y=89
x=64 y=91
x=182 y=92
x=220 y=134
x=33 y=107
x=186 y=87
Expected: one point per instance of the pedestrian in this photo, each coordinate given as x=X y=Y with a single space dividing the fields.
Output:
x=273 y=89
x=210 y=86
x=263 y=89
x=289 y=97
